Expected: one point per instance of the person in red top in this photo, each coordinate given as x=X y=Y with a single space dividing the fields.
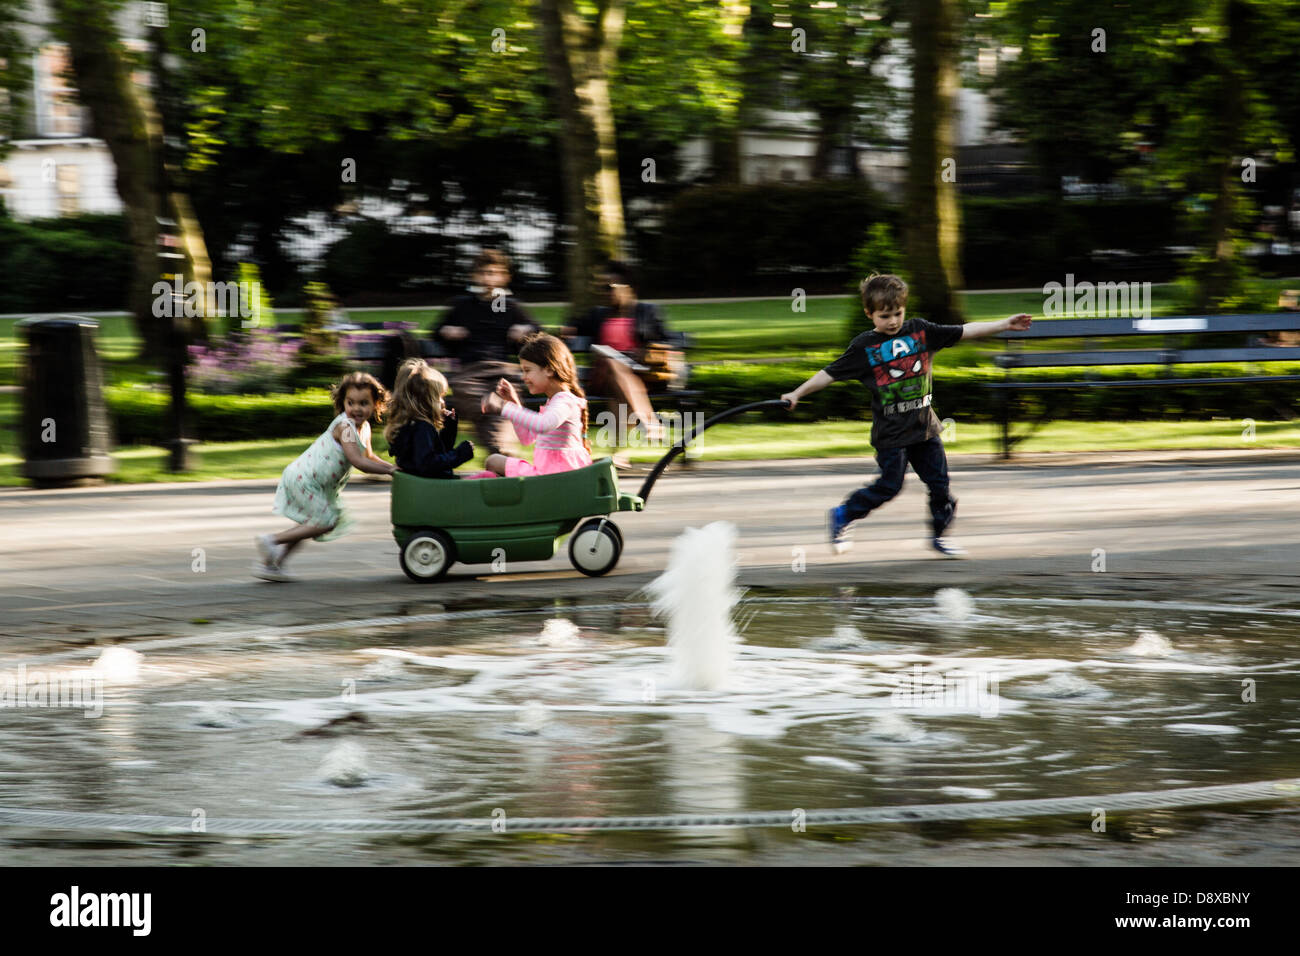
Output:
x=626 y=326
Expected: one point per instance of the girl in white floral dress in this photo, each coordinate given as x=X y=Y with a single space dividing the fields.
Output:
x=308 y=492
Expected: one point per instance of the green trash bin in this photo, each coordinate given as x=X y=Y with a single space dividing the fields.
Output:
x=65 y=430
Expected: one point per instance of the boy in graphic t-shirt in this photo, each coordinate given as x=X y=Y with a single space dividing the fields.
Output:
x=893 y=360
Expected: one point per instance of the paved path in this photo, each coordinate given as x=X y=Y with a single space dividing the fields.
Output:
x=82 y=565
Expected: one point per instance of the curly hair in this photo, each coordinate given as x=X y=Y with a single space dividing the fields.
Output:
x=339 y=392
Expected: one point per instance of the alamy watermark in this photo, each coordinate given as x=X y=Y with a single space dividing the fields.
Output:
x=190 y=299
x=1100 y=299
x=82 y=688
x=615 y=430
x=961 y=692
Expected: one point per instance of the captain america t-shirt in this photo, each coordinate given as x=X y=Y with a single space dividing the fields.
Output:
x=897 y=370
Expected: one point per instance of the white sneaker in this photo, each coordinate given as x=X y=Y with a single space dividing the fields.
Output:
x=948 y=547
x=271 y=552
x=269 y=572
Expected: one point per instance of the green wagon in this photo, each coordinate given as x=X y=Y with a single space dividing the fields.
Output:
x=438 y=522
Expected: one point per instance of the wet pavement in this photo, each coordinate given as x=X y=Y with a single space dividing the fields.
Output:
x=88 y=565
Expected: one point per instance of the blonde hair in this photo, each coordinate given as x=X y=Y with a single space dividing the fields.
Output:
x=548 y=352
x=417 y=396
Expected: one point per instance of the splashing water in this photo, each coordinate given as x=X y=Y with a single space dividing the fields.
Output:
x=1065 y=687
x=895 y=728
x=696 y=593
x=559 y=632
x=345 y=765
x=221 y=718
x=844 y=637
x=1149 y=644
x=533 y=716
x=836 y=763
x=119 y=665
x=386 y=668
x=955 y=604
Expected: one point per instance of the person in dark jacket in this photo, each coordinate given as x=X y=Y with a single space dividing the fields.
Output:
x=483 y=329
x=421 y=432
x=624 y=328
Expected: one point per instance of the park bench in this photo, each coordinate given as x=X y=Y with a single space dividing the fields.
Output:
x=678 y=397
x=1170 y=354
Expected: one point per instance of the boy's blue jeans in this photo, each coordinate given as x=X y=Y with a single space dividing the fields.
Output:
x=930 y=464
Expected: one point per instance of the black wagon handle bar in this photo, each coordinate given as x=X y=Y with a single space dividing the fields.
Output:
x=677 y=449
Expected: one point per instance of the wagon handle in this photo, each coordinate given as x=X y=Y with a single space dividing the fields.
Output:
x=677 y=449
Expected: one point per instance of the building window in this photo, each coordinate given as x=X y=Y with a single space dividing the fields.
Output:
x=68 y=179
x=57 y=111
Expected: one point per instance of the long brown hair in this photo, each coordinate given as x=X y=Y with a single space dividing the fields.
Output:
x=417 y=396
x=548 y=352
x=339 y=392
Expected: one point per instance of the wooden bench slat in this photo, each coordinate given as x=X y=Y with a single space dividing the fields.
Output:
x=1135 y=382
x=1011 y=360
x=1162 y=325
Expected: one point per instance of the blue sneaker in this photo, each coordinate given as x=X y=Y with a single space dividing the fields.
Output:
x=948 y=547
x=838 y=528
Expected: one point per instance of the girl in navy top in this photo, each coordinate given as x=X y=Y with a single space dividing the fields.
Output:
x=421 y=431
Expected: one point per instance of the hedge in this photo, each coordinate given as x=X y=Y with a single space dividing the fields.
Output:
x=724 y=239
x=73 y=263
x=1038 y=235
x=141 y=415
x=960 y=392
x=728 y=239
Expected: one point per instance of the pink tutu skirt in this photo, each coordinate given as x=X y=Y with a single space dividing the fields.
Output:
x=545 y=462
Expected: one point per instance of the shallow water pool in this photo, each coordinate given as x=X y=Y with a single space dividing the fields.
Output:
x=834 y=701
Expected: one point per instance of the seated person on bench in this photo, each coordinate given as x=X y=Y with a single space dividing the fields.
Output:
x=631 y=354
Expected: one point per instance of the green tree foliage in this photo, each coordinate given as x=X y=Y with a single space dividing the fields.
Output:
x=1170 y=96
x=15 y=71
x=822 y=58
x=449 y=97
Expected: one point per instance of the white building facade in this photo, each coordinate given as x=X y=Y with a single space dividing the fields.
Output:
x=55 y=166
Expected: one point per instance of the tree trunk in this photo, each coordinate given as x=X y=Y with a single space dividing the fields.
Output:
x=834 y=128
x=1218 y=280
x=821 y=163
x=124 y=118
x=724 y=155
x=580 y=59
x=934 y=223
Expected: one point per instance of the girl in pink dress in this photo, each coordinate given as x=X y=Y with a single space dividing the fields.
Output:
x=559 y=429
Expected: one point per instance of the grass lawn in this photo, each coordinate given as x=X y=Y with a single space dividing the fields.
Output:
x=741 y=442
x=744 y=331
x=765 y=328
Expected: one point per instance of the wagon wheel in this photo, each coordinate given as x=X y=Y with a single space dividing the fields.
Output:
x=595 y=546
x=427 y=555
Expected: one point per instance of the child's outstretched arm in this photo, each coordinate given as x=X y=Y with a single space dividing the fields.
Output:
x=814 y=384
x=978 y=330
x=536 y=423
x=495 y=404
x=370 y=452
x=359 y=458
